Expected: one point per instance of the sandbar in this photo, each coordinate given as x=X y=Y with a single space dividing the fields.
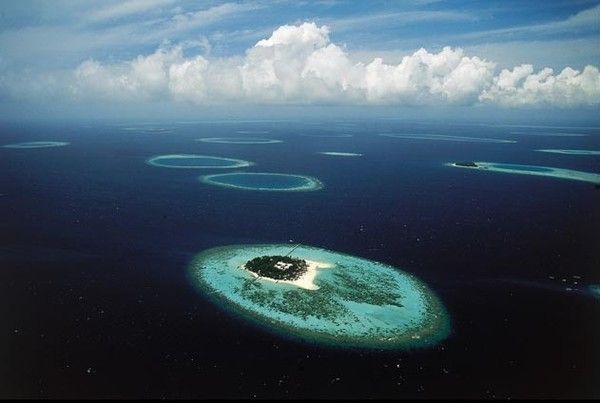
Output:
x=238 y=140
x=570 y=152
x=37 y=144
x=340 y=154
x=536 y=170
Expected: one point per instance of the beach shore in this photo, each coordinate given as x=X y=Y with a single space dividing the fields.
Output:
x=306 y=281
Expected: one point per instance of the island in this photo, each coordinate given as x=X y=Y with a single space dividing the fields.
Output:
x=277 y=267
x=468 y=164
x=536 y=170
x=309 y=294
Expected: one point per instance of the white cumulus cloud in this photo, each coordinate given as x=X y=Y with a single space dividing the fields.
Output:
x=299 y=64
x=522 y=86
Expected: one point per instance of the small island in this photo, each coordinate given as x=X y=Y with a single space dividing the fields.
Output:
x=278 y=267
x=536 y=170
x=336 y=299
x=469 y=164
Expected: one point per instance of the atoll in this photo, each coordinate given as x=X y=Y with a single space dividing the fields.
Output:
x=193 y=161
x=353 y=302
x=265 y=181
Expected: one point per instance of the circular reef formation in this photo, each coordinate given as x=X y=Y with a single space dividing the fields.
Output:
x=192 y=161
x=536 y=170
x=37 y=144
x=321 y=295
x=238 y=140
x=265 y=181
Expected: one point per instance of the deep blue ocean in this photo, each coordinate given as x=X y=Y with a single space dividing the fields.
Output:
x=96 y=301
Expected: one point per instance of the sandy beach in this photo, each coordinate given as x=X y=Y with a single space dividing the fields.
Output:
x=306 y=281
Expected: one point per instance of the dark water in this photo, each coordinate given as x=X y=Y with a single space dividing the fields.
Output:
x=95 y=300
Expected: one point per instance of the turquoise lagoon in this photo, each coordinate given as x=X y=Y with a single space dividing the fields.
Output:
x=358 y=303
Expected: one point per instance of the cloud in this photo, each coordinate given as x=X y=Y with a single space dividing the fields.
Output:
x=522 y=87
x=127 y=8
x=298 y=64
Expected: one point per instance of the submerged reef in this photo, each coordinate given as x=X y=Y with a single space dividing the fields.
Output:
x=536 y=170
x=354 y=302
x=265 y=181
x=37 y=144
x=443 y=137
x=551 y=134
x=238 y=140
x=340 y=154
x=192 y=161
x=570 y=152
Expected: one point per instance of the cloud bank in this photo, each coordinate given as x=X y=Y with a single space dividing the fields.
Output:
x=300 y=65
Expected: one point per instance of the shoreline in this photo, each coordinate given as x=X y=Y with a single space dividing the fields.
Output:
x=533 y=170
x=306 y=281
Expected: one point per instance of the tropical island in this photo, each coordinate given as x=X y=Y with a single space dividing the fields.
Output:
x=278 y=267
x=536 y=170
x=337 y=299
x=469 y=164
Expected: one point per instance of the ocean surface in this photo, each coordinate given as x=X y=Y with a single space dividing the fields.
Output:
x=96 y=299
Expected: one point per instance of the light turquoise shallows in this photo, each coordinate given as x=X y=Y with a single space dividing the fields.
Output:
x=359 y=303
x=559 y=173
x=264 y=181
x=192 y=161
x=37 y=144
x=570 y=152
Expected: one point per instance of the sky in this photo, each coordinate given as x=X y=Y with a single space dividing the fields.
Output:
x=69 y=57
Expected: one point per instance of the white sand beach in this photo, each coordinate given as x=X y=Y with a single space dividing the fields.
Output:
x=306 y=281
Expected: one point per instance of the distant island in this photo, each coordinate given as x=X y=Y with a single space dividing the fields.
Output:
x=469 y=164
x=278 y=267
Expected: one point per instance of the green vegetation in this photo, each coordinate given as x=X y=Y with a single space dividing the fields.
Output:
x=469 y=164
x=278 y=267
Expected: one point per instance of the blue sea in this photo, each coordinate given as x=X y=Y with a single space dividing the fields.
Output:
x=96 y=299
